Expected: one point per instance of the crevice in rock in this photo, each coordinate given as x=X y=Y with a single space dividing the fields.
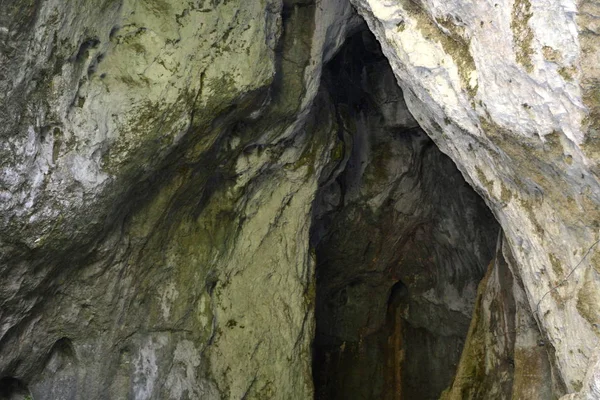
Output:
x=61 y=355
x=13 y=389
x=401 y=243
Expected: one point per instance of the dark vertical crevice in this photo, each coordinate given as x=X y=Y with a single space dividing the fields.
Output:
x=401 y=243
x=395 y=351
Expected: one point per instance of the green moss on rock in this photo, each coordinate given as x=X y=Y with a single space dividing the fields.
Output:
x=471 y=370
x=522 y=33
x=452 y=40
x=588 y=301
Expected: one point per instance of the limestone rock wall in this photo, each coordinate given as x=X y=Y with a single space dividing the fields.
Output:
x=508 y=90
x=505 y=356
x=159 y=162
x=401 y=243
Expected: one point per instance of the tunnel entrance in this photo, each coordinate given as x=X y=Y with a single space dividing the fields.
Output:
x=401 y=243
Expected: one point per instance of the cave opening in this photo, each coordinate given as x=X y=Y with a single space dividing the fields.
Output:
x=13 y=389
x=401 y=243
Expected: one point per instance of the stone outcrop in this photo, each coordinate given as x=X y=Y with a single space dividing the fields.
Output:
x=508 y=90
x=505 y=355
x=401 y=244
x=160 y=161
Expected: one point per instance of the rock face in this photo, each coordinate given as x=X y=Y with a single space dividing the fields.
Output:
x=160 y=162
x=505 y=355
x=401 y=243
x=509 y=91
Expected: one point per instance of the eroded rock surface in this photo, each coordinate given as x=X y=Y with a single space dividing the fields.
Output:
x=401 y=243
x=159 y=161
x=508 y=89
x=505 y=356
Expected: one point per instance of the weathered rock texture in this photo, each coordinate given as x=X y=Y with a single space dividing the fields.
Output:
x=508 y=89
x=401 y=243
x=159 y=161
x=505 y=355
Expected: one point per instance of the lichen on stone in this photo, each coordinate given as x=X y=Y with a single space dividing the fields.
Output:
x=451 y=38
x=522 y=33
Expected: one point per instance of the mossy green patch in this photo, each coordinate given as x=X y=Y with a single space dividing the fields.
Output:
x=588 y=300
x=488 y=184
x=451 y=38
x=567 y=73
x=267 y=391
x=577 y=385
x=148 y=132
x=551 y=54
x=527 y=205
x=591 y=122
x=337 y=153
x=522 y=33
x=556 y=265
x=232 y=323
x=182 y=244
x=543 y=163
x=158 y=7
x=505 y=193
x=471 y=369
x=596 y=261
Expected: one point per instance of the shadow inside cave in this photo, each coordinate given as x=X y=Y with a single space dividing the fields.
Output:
x=401 y=242
x=13 y=389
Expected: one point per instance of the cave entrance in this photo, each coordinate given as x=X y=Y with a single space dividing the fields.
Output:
x=401 y=241
x=13 y=389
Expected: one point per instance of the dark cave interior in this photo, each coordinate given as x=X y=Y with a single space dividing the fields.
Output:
x=401 y=243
